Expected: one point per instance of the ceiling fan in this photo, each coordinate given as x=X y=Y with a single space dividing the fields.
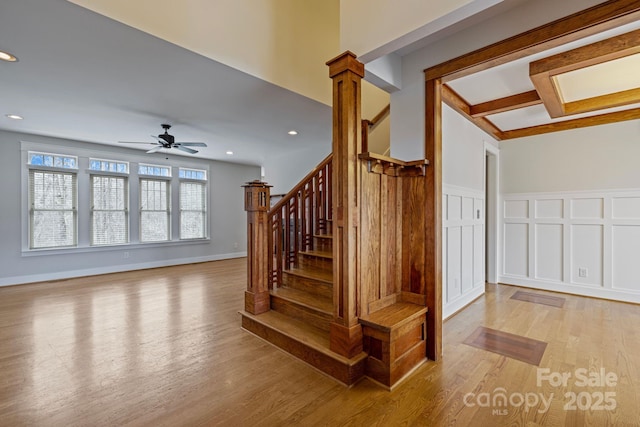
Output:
x=164 y=140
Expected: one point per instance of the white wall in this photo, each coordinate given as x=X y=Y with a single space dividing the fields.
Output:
x=462 y=151
x=228 y=221
x=463 y=215
x=571 y=201
x=463 y=239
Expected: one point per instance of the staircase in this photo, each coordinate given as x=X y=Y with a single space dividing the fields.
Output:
x=301 y=280
x=338 y=270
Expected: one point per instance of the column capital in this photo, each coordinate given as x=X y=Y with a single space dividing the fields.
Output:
x=345 y=62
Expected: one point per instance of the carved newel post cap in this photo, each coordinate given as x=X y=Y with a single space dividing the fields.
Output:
x=256 y=183
x=256 y=196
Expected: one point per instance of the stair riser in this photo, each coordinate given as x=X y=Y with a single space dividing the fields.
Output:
x=309 y=285
x=323 y=244
x=324 y=264
x=289 y=308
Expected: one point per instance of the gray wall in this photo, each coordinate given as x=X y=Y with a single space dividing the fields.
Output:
x=594 y=158
x=227 y=223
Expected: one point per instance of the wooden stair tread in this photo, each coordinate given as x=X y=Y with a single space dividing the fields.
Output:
x=319 y=254
x=393 y=316
x=323 y=236
x=312 y=273
x=314 y=302
x=302 y=332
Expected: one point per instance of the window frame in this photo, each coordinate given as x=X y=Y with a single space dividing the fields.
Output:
x=32 y=170
x=93 y=210
x=83 y=172
x=205 y=198
x=64 y=167
x=167 y=183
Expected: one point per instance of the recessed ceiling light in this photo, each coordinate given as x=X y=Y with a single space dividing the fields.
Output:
x=293 y=132
x=15 y=117
x=6 y=56
x=230 y=153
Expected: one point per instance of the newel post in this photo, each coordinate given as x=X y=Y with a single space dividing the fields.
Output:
x=346 y=332
x=256 y=203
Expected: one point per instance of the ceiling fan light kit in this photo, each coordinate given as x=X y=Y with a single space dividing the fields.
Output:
x=167 y=141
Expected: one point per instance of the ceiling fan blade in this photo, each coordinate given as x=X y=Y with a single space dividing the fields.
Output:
x=156 y=149
x=136 y=142
x=191 y=144
x=185 y=149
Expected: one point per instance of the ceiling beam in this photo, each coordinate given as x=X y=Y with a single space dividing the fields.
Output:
x=595 y=53
x=590 y=21
x=601 y=119
x=543 y=71
x=508 y=103
x=610 y=100
x=455 y=101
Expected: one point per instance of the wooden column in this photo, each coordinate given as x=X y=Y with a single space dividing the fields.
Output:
x=256 y=203
x=346 y=332
x=433 y=217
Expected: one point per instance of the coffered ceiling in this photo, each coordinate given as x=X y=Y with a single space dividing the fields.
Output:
x=540 y=93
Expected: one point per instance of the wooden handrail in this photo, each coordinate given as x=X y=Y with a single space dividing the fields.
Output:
x=304 y=212
x=381 y=115
x=370 y=125
x=302 y=183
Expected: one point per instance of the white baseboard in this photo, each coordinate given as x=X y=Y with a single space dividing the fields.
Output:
x=462 y=301
x=20 y=280
x=574 y=289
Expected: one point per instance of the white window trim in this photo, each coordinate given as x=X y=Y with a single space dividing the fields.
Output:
x=204 y=183
x=92 y=209
x=169 y=211
x=82 y=236
x=32 y=210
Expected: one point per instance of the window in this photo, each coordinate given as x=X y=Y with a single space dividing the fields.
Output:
x=52 y=200
x=154 y=170
x=108 y=166
x=172 y=201
x=193 y=203
x=109 y=202
x=109 y=210
x=193 y=210
x=155 y=210
x=197 y=174
x=53 y=160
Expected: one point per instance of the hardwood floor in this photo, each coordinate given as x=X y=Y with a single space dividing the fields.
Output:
x=164 y=347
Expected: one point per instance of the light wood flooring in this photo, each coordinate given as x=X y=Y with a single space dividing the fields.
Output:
x=164 y=347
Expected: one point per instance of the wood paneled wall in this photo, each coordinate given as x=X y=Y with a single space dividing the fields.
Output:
x=380 y=239
x=392 y=232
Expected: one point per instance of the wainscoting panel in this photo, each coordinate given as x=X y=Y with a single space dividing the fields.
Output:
x=462 y=247
x=585 y=243
x=549 y=256
x=626 y=257
x=551 y=208
x=516 y=249
x=587 y=249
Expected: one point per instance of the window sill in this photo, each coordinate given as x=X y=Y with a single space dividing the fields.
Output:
x=111 y=248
